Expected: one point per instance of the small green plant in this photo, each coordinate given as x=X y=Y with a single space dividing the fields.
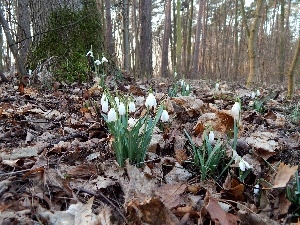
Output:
x=258 y=105
x=131 y=137
x=295 y=115
x=293 y=193
x=172 y=92
x=185 y=88
x=208 y=156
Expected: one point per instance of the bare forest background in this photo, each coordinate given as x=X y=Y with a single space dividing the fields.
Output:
x=205 y=39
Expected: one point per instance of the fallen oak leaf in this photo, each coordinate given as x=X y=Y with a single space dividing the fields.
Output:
x=220 y=216
x=283 y=175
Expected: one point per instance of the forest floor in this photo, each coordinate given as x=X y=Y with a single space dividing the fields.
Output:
x=57 y=165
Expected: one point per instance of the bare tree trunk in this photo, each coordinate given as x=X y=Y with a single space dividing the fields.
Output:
x=189 y=39
x=166 y=37
x=178 y=37
x=236 y=41
x=282 y=41
x=23 y=31
x=11 y=44
x=252 y=44
x=137 y=47
x=1 y=50
x=292 y=71
x=197 y=40
x=126 y=50
x=146 y=38
x=110 y=42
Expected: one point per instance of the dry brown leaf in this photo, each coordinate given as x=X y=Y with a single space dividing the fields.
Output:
x=81 y=171
x=218 y=215
x=283 y=175
x=171 y=194
x=150 y=212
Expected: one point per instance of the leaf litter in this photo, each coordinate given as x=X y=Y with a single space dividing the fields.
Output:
x=57 y=165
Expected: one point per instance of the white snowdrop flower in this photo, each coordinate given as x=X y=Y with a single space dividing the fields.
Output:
x=164 y=116
x=105 y=106
x=175 y=74
x=122 y=109
x=131 y=107
x=257 y=93
x=117 y=100
x=112 y=115
x=182 y=83
x=187 y=88
x=235 y=110
x=244 y=165
x=103 y=98
x=150 y=101
x=217 y=86
x=256 y=189
x=253 y=95
x=29 y=72
x=211 y=136
x=97 y=62
x=90 y=53
x=131 y=122
x=104 y=59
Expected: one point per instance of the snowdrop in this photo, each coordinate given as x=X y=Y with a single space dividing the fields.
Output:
x=105 y=106
x=112 y=115
x=175 y=74
x=97 y=62
x=244 y=165
x=182 y=83
x=217 y=86
x=90 y=53
x=104 y=59
x=235 y=110
x=211 y=136
x=150 y=101
x=122 y=109
x=256 y=189
x=164 y=116
x=187 y=88
x=103 y=98
x=131 y=107
x=253 y=95
x=258 y=93
x=29 y=72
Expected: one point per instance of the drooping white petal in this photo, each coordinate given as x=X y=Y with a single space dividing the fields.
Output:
x=187 y=88
x=122 y=109
x=97 y=62
x=150 y=101
x=131 y=107
x=211 y=136
x=131 y=122
x=164 y=116
x=112 y=115
x=90 y=53
x=217 y=86
x=256 y=189
x=235 y=110
x=104 y=59
x=253 y=95
x=258 y=93
x=242 y=165
x=103 y=98
x=105 y=106
x=117 y=100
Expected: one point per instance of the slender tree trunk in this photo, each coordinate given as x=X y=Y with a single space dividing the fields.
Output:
x=174 y=37
x=252 y=44
x=197 y=41
x=282 y=41
x=292 y=71
x=137 y=47
x=236 y=41
x=11 y=44
x=146 y=38
x=23 y=31
x=178 y=38
x=1 y=50
x=189 y=39
x=126 y=53
x=166 y=37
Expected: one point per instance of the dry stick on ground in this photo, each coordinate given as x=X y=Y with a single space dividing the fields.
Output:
x=105 y=198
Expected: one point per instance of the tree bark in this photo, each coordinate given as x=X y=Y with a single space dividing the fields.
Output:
x=252 y=44
x=189 y=44
x=110 y=42
x=146 y=38
x=23 y=31
x=166 y=37
x=197 y=40
x=178 y=38
x=281 y=41
x=11 y=44
x=292 y=71
x=126 y=49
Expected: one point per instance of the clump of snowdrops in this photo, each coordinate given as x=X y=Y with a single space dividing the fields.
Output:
x=131 y=136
